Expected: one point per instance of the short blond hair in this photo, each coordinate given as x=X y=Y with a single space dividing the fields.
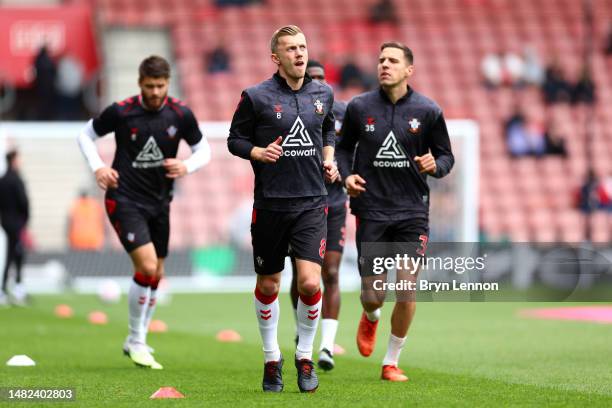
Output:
x=281 y=32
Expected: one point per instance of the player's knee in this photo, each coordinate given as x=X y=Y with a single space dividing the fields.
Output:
x=149 y=267
x=268 y=287
x=373 y=305
x=330 y=277
x=309 y=286
x=372 y=300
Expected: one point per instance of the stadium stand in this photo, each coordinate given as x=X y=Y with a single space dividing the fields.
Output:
x=522 y=199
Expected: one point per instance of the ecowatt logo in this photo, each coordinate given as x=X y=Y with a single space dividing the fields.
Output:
x=298 y=137
x=391 y=154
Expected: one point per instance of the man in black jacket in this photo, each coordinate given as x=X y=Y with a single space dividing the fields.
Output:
x=391 y=139
x=285 y=127
x=336 y=219
x=14 y=213
x=140 y=183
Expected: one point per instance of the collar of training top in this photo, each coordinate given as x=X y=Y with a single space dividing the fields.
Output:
x=383 y=94
x=283 y=82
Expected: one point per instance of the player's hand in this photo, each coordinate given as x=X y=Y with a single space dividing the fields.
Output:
x=107 y=177
x=427 y=163
x=175 y=168
x=354 y=185
x=331 y=171
x=270 y=154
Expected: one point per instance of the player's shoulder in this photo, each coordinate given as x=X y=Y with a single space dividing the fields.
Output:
x=180 y=107
x=124 y=106
x=364 y=100
x=132 y=100
x=339 y=105
x=261 y=94
x=425 y=103
x=263 y=87
x=319 y=86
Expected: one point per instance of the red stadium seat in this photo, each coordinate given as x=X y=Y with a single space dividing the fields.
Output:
x=449 y=39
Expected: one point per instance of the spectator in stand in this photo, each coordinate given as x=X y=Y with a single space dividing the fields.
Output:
x=556 y=88
x=584 y=90
x=44 y=85
x=604 y=193
x=555 y=142
x=516 y=138
x=533 y=72
x=588 y=200
x=218 y=60
x=503 y=69
x=514 y=69
x=524 y=136
x=86 y=224
x=69 y=87
x=517 y=119
x=608 y=48
x=491 y=68
x=383 y=12
x=351 y=75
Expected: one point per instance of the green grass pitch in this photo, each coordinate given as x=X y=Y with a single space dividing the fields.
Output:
x=457 y=354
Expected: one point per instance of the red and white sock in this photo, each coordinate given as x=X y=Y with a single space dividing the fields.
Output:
x=308 y=314
x=138 y=299
x=268 y=311
x=394 y=350
x=150 y=306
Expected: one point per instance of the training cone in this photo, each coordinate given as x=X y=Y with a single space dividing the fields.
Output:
x=339 y=350
x=228 y=336
x=166 y=392
x=158 y=326
x=63 y=311
x=97 y=317
x=20 y=360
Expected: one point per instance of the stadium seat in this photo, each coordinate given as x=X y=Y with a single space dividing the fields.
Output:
x=448 y=50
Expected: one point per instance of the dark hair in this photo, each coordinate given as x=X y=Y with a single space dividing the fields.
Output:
x=314 y=64
x=154 y=67
x=10 y=157
x=396 y=44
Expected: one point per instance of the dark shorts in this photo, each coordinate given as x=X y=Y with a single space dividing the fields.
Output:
x=388 y=239
x=277 y=234
x=137 y=225
x=336 y=231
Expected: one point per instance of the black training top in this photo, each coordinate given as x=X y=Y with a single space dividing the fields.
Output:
x=305 y=120
x=336 y=196
x=144 y=139
x=379 y=141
